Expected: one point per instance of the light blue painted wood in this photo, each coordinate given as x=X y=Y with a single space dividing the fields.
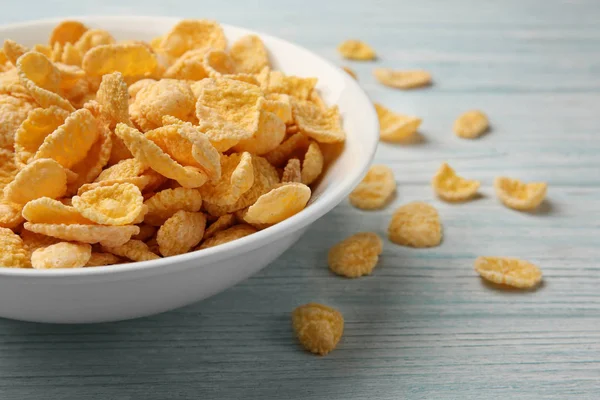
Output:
x=423 y=326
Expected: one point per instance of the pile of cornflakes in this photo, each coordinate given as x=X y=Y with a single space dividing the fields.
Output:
x=119 y=151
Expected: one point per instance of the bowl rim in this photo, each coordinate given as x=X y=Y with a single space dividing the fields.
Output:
x=327 y=201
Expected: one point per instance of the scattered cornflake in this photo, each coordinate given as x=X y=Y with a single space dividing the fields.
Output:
x=105 y=235
x=34 y=241
x=13 y=254
x=356 y=50
x=356 y=255
x=394 y=127
x=278 y=204
x=192 y=34
x=49 y=211
x=41 y=178
x=223 y=222
x=165 y=203
x=67 y=32
x=292 y=172
x=322 y=125
x=415 y=224
x=227 y=235
x=98 y=259
x=375 y=190
x=61 y=255
x=518 y=195
x=350 y=72
x=451 y=187
x=402 y=79
x=114 y=100
x=249 y=54
x=471 y=124
x=93 y=38
x=14 y=111
x=119 y=204
x=180 y=233
x=134 y=250
x=318 y=327
x=10 y=214
x=508 y=271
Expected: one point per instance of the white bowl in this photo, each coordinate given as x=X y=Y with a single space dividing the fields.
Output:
x=139 y=289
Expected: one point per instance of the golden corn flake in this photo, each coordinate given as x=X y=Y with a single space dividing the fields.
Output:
x=70 y=142
x=90 y=167
x=237 y=177
x=167 y=202
x=313 y=163
x=319 y=328
x=13 y=254
x=67 y=32
x=278 y=82
x=223 y=222
x=287 y=149
x=402 y=79
x=356 y=50
x=102 y=259
x=172 y=143
x=10 y=214
x=192 y=34
x=218 y=63
x=356 y=255
x=40 y=123
x=8 y=168
x=471 y=124
x=134 y=250
x=227 y=235
x=280 y=105
x=249 y=54
x=114 y=100
x=164 y=97
x=34 y=241
x=146 y=232
x=13 y=50
x=508 y=271
x=518 y=195
x=128 y=59
x=13 y=111
x=141 y=182
x=278 y=204
x=136 y=87
x=61 y=255
x=105 y=235
x=375 y=190
x=128 y=168
x=270 y=133
x=350 y=72
x=203 y=152
x=451 y=187
x=145 y=151
x=322 y=125
x=41 y=178
x=93 y=38
x=49 y=211
x=119 y=204
x=180 y=233
x=292 y=171
x=40 y=70
x=417 y=225
x=190 y=66
x=395 y=127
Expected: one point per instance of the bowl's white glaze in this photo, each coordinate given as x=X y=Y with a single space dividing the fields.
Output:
x=138 y=289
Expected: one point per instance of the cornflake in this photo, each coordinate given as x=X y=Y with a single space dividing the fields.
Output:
x=508 y=271
x=249 y=54
x=165 y=203
x=350 y=72
x=105 y=235
x=61 y=255
x=471 y=124
x=13 y=254
x=451 y=187
x=134 y=250
x=375 y=190
x=518 y=195
x=67 y=32
x=180 y=233
x=227 y=235
x=128 y=59
x=417 y=225
x=41 y=178
x=278 y=204
x=322 y=125
x=356 y=255
x=223 y=222
x=395 y=127
x=318 y=327
x=402 y=79
x=356 y=50
x=193 y=34
x=119 y=204
x=102 y=259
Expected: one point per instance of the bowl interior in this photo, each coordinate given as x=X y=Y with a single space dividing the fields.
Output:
x=336 y=87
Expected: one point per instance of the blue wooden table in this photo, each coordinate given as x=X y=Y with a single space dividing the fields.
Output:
x=424 y=326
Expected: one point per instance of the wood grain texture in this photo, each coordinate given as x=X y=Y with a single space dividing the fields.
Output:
x=424 y=326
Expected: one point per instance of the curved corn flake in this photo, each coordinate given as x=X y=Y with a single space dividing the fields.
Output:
x=517 y=195
x=67 y=54
x=280 y=105
x=278 y=204
x=204 y=153
x=70 y=78
x=508 y=271
x=287 y=149
x=136 y=87
x=218 y=63
x=67 y=32
x=149 y=153
x=105 y=235
x=249 y=54
x=190 y=34
x=119 y=204
x=317 y=100
x=319 y=328
x=415 y=224
x=223 y=222
x=8 y=168
x=93 y=38
x=292 y=171
x=70 y=142
x=451 y=187
x=350 y=72
x=227 y=235
x=229 y=111
x=167 y=202
x=114 y=100
x=265 y=178
x=190 y=66
x=164 y=97
x=270 y=134
x=395 y=127
x=128 y=168
x=41 y=178
x=402 y=79
x=40 y=122
x=13 y=111
x=471 y=124
x=313 y=163
x=134 y=250
x=356 y=50
x=13 y=50
x=180 y=233
x=375 y=190
x=177 y=147
x=322 y=125
x=356 y=255
x=128 y=59
x=40 y=70
x=34 y=241
x=10 y=214
x=237 y=177
x=49 y=211
x=146 y=232
x=141 y=182
x=13 y=254
x=102 y=259
x=278 y=82
x=90 y=167
x=61 y=255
